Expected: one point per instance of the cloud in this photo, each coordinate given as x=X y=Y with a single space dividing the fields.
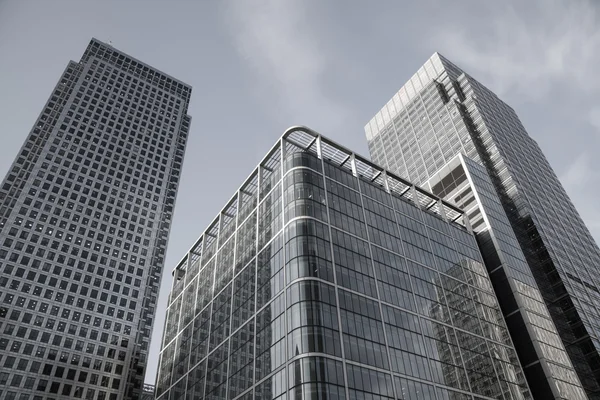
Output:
x=580 y=179
x=277 y=40
x=594 y=117
x=578 y=173
x=531 y=48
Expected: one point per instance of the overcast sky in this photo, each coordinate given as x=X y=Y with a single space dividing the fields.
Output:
x=258 y=67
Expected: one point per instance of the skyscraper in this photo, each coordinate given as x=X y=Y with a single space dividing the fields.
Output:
x=327 y=277
x=534 y=241
x=85 y=213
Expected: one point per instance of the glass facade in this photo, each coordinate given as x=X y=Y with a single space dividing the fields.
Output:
x=148 y=392
x=442 y=112
x=326 y=277
x=85 y=212
x=467 y=184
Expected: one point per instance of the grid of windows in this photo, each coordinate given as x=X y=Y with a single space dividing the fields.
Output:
x=543 y=243
x=85 y=212
x=357 y=292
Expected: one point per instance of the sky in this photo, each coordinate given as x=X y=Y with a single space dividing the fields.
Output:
x=258 y=67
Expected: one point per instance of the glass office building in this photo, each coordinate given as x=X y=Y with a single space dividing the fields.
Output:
x=467 y=184
x=85 y=213
x=441 y=112
x=326 y=277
